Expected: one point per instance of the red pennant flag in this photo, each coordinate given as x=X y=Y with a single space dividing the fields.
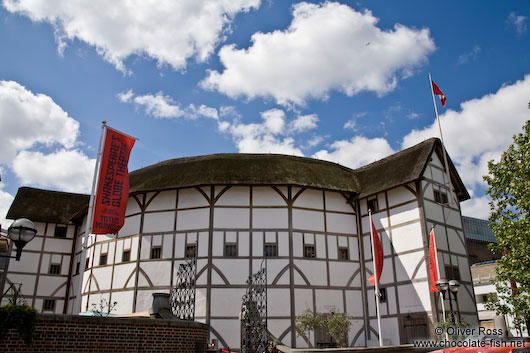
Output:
x=433 y=263
x=438 y=92
x=379 y=256
x=113 y=184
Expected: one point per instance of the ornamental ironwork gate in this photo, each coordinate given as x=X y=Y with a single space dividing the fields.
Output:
x=254 y=333
x=182 y=297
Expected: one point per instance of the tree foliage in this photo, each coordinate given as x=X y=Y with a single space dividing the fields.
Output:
x=338 y=325
x=509 y=189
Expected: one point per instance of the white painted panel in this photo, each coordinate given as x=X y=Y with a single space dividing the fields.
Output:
x=49 y=284
x=309 y=238
x=244 y=244
x=453 y=218
x=406 y=265
x=200 y=302
x=165 y=200
x=387 y=276
x=235 y=196
x=405 y=213
x=391 y=297
x=130 y=227
x=283 y=244
x=367 y=247
x=103 y=276
x=167 y=245
x=266 y=196
x=29 y=263
x=354 y=248
x=34 y=245
x=437 y=175
x=223 y=303
x=231 y=237
x=381 y=200
x=277 y=327
x=191 y=197
x=390 y=326
x=132 y=207
x=414 y=297
x=328 y=300
x=278 y=303
x=203 y=244
x=193 y=219
x=40 y=227
x=257 y=243
x=456 y=242
x=332 y=247
x=122 y=273
x=336 y=202
x=303 y=299
x=231 y=218
x=435 y=160
x=229 y=330
x=297 y=245
x=428 y=192
x=66 y=265
x=363 y=206
x=45 y=263
x=433 y=211
x=354 y=303
x=357 y=325
x=380 y=221
x=465 y=271
x=159 y=222
x=439 y=233
x=308 y=220
x=465 y=301
x=158 y=271
x=399 y=195
x=341 y=223
x=28 y=281
x=314 y=271
x=134 y=248
x=385 y=241
x=407 y=237
x=180 y=245
x=50 y=230
x=235 y=270
x=124 y=302
x=270 y=218
x=310 y=198
x=144 y=299
x=218 y=244
x=145 y=251
x=341 y=272
x=274 y=266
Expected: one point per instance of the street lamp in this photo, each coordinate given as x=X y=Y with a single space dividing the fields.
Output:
x=21 y=232
x=454 y=285
x=443 y=285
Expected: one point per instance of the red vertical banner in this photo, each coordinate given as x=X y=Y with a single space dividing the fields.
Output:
x=113 y=183
x=378 y=254
x=433 y=263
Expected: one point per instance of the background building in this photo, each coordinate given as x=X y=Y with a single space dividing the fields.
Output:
x=308 y=217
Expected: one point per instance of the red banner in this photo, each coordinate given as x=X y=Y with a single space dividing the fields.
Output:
x=433 y=263
x=113 y=184
x=379 y=256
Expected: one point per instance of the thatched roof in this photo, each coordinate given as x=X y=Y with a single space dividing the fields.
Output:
x=45 y=205
x=247 y=169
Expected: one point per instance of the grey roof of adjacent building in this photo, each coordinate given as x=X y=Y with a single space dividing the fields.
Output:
x=478 y=230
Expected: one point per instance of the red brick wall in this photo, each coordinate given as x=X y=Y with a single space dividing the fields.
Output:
x=68 y=333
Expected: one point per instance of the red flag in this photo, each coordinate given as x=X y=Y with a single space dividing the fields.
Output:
x=113 y=184
x=379 y=256
x=433 y=263
x=438 y=92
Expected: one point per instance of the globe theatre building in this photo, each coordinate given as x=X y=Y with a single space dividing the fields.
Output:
x=308 y=217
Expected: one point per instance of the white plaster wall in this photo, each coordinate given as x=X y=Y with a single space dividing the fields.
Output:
x=132 y=207
x=311 y=199
x=399 y=195
x=433 y=211
x=406 y=265
x=315 y=271
x=158 y=222
x=121 y=274
x=407 y=237
x=308 y=220
x=303 y=300
x=328 y=300
x=165 y=200
x=336 y=202
x=223 y=303
x=414 y=297
x=235 y=270
x=341 y=272
x=229 y=330
x=277 y=302
x=159 y=272
x=231 y=218
x=235 y=196
x=269 y=218
x=191 y=197
x=341 y=223
x=267 y=196
x=193 y=219
x=131 y=226
x=354 y=303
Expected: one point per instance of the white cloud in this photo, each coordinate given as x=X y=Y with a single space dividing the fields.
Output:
x=5 y=202
x=356 y=152
x=481 y=130
x=168 y=31
x=519 y=22
x=72 y=170
x=472 y=55
x=274 y=121
x=350 y=124
x=413 y=115
x=164 y=107
x=477 y=207
x=327 y=46
x=304 y=123
x=27 y=119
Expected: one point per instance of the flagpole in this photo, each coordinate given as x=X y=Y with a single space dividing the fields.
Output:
x=376 y=277
x=90 y=216
x=443 y=144
x=438 y=273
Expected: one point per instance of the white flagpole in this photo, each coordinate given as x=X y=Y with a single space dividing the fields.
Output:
x=89 y=220
x=376 y=282
x=438 y=273
x=450 y=198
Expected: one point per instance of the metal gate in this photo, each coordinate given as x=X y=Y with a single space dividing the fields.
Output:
x=254 y=333
x=182 y=297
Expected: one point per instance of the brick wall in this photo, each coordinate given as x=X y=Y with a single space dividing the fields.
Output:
x=69 y=333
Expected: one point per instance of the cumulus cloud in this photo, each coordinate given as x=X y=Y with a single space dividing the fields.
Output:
x=162 y=106
x=519 y=22
x=327 y=47
x=168 y=31
x=477 y=206
x=28 y=121
x=356 y=152
x=5 y=202
x=304 y=123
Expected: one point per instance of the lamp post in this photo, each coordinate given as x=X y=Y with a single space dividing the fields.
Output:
x=454 y=285
x=21 y=232
x=443 y=285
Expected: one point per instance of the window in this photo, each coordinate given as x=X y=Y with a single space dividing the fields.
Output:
x=77 y=265
x=440 y=197
x=343 y=254
x=102 y=259
x=87 y=262
x=373 y=205
x=309 y=251
x=191 y=251
x=230 y=250
x=126 y=256
x=452 y=272
x=49 y=305
x=55 y=269
x=270 y=250
x=60 y=231
x=156 y=253
x=382 y=295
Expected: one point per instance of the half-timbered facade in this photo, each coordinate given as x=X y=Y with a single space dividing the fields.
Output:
x=308 y=219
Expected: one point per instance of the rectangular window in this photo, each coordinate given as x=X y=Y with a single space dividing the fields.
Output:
x=126 y=256
x=156 y=253
x=87 y=262
x=440 y=197
x=452 y=272
x=60 y=231
x=343 y=254
x=309 y=251
x=77 y=265
x=191 y=251
x=373 y=205
x=270 y=250
x=102 y=259
x=48 y=305
x=55 y=269
x=230 y=250
x=382 y=295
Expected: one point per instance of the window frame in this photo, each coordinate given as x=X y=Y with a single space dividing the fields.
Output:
x=128 y=252
x=340 y=255
x=101 y=257
x=51 y=302
x=232 y=246
x=187 y=253
x=375 y=203
x=60 y=235
x=269 y=246
x=156 y=253
x=313 y=250
x=56 y=267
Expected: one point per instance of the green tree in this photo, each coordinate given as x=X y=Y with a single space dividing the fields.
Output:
x=338 y=325
x=509 y=189
x=307 y=322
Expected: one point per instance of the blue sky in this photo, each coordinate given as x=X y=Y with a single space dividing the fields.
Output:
x=343 y=81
